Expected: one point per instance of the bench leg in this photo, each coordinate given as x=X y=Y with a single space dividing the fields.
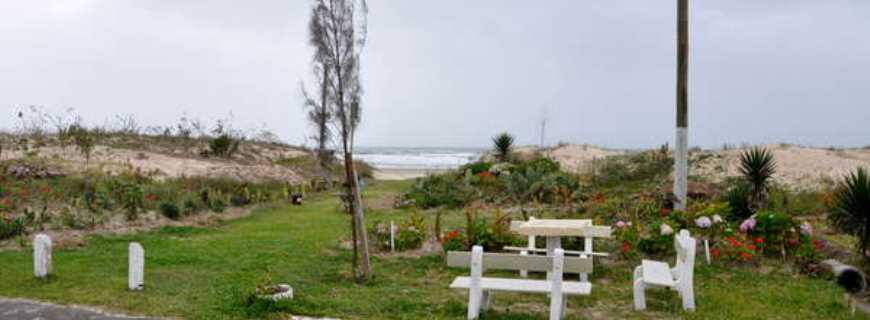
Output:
x=474 y=301
x=639 y=287
x=524 y=273
x=486 y=300
x=688 y=296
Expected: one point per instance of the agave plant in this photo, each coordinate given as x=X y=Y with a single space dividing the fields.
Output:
x=504 y=143
x=851 y=213
x=757 y=166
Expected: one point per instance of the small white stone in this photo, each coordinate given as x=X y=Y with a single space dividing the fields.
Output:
x=136 y=279
x=41 y=256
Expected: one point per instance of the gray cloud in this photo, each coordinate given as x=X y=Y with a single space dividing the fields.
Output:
x=456 y=72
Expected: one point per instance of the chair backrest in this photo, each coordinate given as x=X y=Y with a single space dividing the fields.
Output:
x=514 y=262
x=685 y=265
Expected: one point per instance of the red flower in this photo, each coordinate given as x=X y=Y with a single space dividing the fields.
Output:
x=818 y=244
x=626 y=247
x=485 y=174
x=751 y=247
x=734 y=242
x=452 y=235
x=665 y=212
x=792 y=242
x=746 y=256
x=759 y=240
x=715 y=252
x=152 y=197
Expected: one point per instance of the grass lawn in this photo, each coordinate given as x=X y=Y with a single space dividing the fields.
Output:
x=202 y=273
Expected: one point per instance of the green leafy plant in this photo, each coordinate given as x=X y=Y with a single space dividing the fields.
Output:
x=738 y=196
x=503 y=144
x=758 y=166
x=170 y=210
x=224 y=145
x=83 y=140
x=851 y=212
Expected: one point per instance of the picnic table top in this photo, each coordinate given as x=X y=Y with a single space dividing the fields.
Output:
x=558 y=228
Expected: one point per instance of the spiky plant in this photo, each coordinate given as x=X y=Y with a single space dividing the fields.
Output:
x=851 y=212
x=757 y=166
x=504 y=143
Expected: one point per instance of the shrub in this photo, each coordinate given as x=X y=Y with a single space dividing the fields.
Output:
x=757 y=166
x=503 y=144
x=409 y=234
x=224 y=145
x=851 y=212
x=190 y=206
x=492 y=236
x=170 y=210
x=738 y=200
x=10 y=228
x=453 y=240
x=476 y=167
x=439 y=191
x=771 y=230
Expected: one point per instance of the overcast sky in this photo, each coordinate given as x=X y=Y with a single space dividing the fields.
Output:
x=455 y=72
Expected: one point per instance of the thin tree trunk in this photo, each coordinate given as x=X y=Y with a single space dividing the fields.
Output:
x=361 y=239
x=681 y=156
x=322 y=152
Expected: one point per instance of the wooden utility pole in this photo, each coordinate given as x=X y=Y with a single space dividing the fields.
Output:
x=681 y=154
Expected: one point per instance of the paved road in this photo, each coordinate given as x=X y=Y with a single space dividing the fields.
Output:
x=17 y=309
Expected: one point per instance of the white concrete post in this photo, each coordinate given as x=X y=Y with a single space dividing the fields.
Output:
x=557 y=299
x=136 y=276
x=392 y=237
x=681 y=168
x=553 y=243
x=41 y=256
x=474 y=291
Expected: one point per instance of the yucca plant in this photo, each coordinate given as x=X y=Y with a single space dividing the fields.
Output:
x=851 y=212
x=504 y=143
x=757 y=166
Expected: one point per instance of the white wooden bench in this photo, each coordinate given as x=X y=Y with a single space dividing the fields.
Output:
x=480 y=288
x=589 y=234
x=655 y=274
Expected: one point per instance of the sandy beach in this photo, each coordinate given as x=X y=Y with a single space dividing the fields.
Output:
x=404 y=174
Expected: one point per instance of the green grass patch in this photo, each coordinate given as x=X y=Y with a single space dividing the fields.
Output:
x=210 y=273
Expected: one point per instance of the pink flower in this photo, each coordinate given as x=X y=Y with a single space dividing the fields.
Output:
x=747 y=225
x=806 y=229
x=620 y=224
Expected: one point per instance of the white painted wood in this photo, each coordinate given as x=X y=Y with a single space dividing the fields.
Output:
x=554 y=227
x=571 y=288
x=523 y=272
x=136 y=267
x=481 y=289
x=553 y=243
x=567 y=252
x=42 y=265
x=556 y=296
x=474 y=289
x=587 y=252
x=653 y=274
x=657 y=273
x=513 y=262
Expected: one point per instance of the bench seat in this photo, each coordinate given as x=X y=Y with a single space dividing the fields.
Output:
x=567 y=252
x=657 y=273
x=523 y=285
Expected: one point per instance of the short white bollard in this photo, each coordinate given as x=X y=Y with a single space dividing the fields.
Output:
x=136 y=279
x=392 y=237
x=707 y=250
x=41 y=256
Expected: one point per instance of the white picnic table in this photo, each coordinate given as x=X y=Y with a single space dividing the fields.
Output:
x=554 y=229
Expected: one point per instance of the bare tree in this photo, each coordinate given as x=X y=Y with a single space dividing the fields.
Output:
x=338 y=30
x=320 y=114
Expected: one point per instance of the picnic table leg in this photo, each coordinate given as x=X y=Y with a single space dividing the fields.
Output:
x=587 y=249
x=553 y=243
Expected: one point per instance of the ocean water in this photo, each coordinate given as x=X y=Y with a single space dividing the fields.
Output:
x=418 y=158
